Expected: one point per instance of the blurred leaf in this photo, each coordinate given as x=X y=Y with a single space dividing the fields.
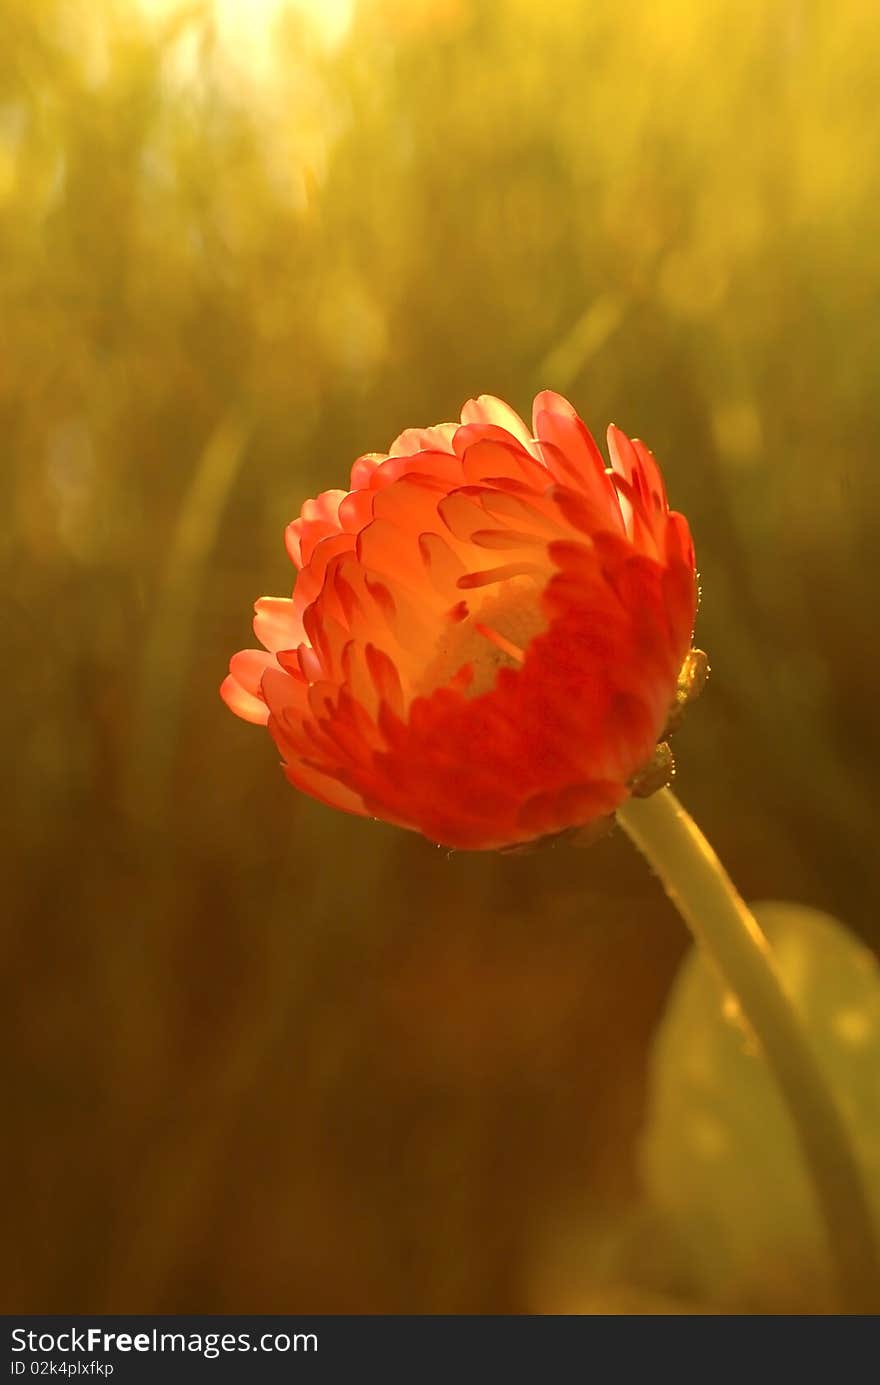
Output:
x=719 y=1155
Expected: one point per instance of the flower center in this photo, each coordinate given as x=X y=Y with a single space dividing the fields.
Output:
x=489 y=630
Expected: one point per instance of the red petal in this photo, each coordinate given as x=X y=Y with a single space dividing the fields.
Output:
x=386 y=679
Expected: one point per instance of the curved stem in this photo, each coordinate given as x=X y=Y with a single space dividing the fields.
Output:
x=703 y=893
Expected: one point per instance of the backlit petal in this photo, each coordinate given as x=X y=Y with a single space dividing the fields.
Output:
x=485 y=633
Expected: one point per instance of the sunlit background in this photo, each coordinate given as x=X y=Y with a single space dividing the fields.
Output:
x=266 y=1057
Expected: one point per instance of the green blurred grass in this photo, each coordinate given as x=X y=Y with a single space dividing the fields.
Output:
x=265 y=1057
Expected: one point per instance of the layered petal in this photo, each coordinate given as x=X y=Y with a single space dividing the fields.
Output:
x=485 y=633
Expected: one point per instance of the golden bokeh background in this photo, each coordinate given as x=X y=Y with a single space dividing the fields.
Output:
x=270 y=1058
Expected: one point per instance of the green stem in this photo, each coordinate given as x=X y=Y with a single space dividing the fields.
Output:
x=704 y=895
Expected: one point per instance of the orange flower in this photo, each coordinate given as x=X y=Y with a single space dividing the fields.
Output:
x=485 y=632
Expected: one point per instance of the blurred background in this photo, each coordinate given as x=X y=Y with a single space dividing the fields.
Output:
x=265 y=1057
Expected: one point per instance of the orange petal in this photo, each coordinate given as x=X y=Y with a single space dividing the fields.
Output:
x=363 y=468
x=487 y=458
x=243 y=703
x=412 y=440
x=324 y=788
x=276 y=624
x=488 y=410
